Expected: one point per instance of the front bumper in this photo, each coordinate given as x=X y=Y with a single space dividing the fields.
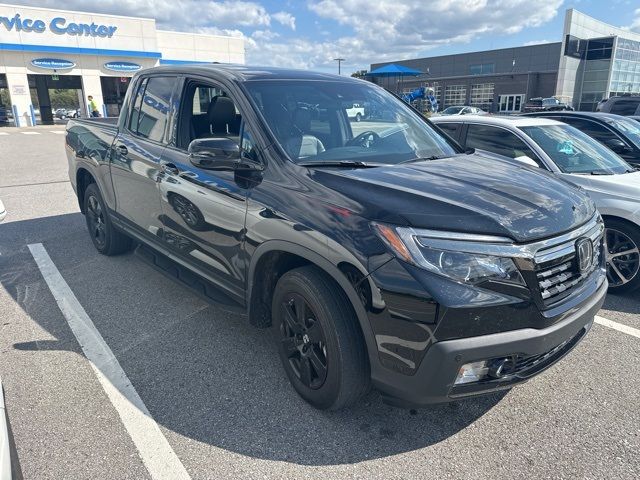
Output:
x=433 y=382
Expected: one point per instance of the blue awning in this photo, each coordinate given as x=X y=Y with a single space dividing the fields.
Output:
x=394 y=70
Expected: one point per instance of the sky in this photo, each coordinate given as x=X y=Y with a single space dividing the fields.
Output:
x=309 y=34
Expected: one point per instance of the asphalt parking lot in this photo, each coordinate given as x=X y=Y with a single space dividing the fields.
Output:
x=215 y=388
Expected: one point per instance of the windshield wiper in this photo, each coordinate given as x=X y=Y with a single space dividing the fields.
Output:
x=421 y=159
x=340 y=163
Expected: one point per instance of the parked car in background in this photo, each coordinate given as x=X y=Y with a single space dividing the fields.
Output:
x=574 y=156
x=540 y=104
x=388 y=256
x=462 y=110
x=356 y=112
x=620 y=134
x=624 y=105
x=60 y=113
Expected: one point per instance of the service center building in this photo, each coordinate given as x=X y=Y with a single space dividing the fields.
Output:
x=43 y=50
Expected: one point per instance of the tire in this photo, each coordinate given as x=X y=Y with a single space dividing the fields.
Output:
x=105 y=237
x=358 y=117
x=621 y=236
x=314 y=300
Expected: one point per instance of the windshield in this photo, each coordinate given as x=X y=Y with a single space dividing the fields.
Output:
x=629 y=128
x=316 y=121
x=575 y=152
x=452 y=110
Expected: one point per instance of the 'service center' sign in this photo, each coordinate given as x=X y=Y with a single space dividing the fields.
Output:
x=58 y=26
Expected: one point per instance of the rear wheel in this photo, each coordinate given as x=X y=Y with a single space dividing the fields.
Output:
x=106 y=239
x=622 y=251
x=319 y=340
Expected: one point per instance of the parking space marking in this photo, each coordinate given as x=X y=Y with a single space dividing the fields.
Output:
x=4 y=133
x=59 y=132
x=634 y=332
x=30 y=133
x=154 y=449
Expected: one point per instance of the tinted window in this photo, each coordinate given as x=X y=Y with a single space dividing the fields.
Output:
x=498 y=140
x=451 y=129
x=137 y=104
x=151 y=110
x=625 y=107
x=592 y=129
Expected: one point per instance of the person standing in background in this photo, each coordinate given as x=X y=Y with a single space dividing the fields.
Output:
x=93 y=107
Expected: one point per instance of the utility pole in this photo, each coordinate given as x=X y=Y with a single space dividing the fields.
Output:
x=339 y=60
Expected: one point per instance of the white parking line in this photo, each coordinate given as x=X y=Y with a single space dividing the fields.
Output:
x=30 y=133
x=4 y=133
x=154 y=449
x=59 y=132
x=634 y=332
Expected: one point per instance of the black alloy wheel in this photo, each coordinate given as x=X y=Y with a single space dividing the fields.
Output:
x=95 y=221
x=622 y=254
x=319 y=340
x=105 y=237
x=303 y=341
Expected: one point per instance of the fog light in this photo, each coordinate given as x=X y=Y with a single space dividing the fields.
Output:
x=472 y=372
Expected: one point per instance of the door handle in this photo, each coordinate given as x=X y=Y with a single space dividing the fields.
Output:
x=122 y=150
x=170 y=168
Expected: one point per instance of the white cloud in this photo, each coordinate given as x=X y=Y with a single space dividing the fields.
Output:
x=286 y=19
x=635 y=25
x=369 y=31
x=536 y=42
x=175 y=14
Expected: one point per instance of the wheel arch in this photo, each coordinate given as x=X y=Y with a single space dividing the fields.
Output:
x=274 y=258
x=84 y=178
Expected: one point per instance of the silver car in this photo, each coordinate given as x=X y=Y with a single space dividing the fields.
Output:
x=565 y=151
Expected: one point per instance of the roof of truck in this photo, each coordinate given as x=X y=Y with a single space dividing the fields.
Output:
x=243 y=73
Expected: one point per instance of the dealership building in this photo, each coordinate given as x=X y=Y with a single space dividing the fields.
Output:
x=44 y=51
x=592 y=61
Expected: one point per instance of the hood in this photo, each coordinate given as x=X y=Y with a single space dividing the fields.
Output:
x=465 y=194
x=625 y=185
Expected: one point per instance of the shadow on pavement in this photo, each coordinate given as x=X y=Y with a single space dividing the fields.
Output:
x=204 y=373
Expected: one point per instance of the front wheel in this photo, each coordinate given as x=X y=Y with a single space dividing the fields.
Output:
x=622 y=252
x=319 y=340
x=106 y=239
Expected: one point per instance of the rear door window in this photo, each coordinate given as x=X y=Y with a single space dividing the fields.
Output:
x=498 y=140
x=150 y=114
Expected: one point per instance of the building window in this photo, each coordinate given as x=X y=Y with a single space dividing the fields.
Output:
x=625 y=77
x=511 y=103
x=482 y=68
x=482 y=95
x=455 y=95
x=599 y=48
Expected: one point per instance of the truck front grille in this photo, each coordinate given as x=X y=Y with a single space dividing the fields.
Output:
x=558 y=270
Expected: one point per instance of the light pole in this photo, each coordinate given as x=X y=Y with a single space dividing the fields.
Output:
x=339 y=60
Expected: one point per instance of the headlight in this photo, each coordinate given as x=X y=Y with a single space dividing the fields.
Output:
x=460 y=266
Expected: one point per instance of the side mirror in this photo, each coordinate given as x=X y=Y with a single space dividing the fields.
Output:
x=216 y=153
x=617 y=145
x=527 y=161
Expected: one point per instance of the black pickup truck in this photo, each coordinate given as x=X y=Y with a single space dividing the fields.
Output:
x=378 y=252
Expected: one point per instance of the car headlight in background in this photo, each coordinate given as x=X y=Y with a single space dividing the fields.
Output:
x=472 y=268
